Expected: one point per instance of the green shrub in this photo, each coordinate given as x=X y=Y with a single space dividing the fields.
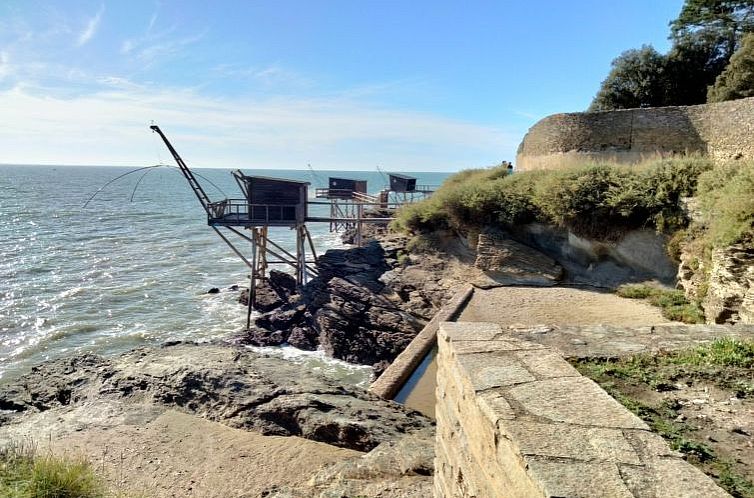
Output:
x=725 y=351
x=635 y=291
x=726 y=198
x=25 y=474
x=672 y=303
x=597 y=200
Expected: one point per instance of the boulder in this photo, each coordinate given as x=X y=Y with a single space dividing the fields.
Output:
x=271 y=292
x=507 y=262
x=346 y=310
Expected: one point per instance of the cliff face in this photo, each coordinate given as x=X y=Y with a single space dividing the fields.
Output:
x=724 y=286
x=721 y=130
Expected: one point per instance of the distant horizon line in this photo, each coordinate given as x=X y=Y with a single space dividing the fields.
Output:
x=375 y=170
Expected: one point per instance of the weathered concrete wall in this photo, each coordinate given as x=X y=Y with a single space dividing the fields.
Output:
x=516 y=420
x=722 y=130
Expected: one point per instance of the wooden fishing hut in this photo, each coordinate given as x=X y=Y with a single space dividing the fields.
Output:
x=267 y=202
x=342 y=188
x=402 y=183
x=405 y=189
x=347 y=198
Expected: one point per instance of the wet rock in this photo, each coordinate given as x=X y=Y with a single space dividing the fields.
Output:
x=304 y=338
x=271 y=292
x=258 y=336
x=346 y=310
x=213 y=290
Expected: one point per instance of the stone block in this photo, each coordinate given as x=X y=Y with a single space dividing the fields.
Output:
x=546 y=364
x=579 y=479
x=512 y=344
x=494 y=407
x=466 y=331
x=670 y=478
x=595 y=444
x=574 y=400
x=487 y=370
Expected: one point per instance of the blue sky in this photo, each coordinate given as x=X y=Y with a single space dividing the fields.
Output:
x=406 y=85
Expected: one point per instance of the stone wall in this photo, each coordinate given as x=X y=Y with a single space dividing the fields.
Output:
x=516 y=420
x=722 y=130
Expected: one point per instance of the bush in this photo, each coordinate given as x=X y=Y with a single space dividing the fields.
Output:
x=726 y=200
x=599 y=201
x=25 y=474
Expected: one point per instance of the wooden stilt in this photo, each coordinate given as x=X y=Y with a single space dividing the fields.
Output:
x=252 y=278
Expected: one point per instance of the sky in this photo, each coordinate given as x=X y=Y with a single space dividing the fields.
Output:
x=408 y=85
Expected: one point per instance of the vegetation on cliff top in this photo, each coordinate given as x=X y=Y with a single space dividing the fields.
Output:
x=599 y=201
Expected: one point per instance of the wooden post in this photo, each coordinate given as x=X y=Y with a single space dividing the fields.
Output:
x=359 y=215
x=252 y=277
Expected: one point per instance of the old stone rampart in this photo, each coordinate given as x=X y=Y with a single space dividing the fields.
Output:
x=514 y=419
x=723 y=131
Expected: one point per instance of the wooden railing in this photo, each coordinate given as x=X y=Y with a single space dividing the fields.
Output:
x=242 y=212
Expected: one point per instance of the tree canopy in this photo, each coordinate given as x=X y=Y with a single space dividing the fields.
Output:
x=737 y=80
x=637 y=79
x=705 y=36
x=726 y=19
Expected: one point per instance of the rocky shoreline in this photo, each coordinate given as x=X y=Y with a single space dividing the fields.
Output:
x=112 y=404
x=365 y=307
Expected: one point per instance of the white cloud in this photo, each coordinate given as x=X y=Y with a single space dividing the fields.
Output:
x=91 y=27
x=5 y=69
x=110 y=127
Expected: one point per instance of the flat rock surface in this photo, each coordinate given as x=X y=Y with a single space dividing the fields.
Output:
x=177 y=454
x=557 y=305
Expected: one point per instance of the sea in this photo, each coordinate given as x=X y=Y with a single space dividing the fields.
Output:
x=91 y=263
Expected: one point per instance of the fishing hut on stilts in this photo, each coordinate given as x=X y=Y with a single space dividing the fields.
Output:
x=267 y=202
x=278 y=202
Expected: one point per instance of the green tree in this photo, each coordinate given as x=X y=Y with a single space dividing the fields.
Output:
x=637 y=79
x=724 y=21
x=692 y=66
x=737 y=80
x=705 y=35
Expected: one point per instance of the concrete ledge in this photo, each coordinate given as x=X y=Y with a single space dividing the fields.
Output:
x=514 y=419
x=393 y=378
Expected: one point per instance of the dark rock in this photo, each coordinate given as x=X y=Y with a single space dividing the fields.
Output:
x=258 y=336
x=271 y=292
x=304 y=338
x=345 y=310
x=233 y=288
x=213 y=290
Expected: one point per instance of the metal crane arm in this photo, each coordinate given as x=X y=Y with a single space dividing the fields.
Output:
x=195 y=186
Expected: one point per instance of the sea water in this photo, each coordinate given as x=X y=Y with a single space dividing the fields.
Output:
x=133 y=267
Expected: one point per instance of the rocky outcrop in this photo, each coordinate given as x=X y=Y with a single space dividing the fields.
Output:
x=506 y=261
x=637 y=256
x=271 y=292
x=221 y=383
x=350 y=310
x=730 y=285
